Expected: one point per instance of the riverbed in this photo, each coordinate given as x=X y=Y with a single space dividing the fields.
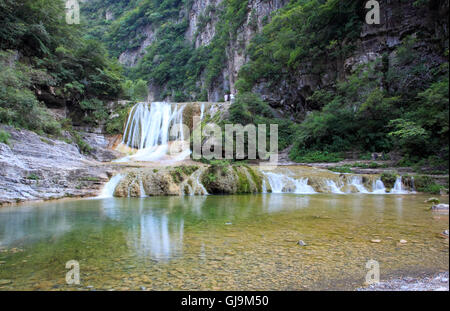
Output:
x=236 y=242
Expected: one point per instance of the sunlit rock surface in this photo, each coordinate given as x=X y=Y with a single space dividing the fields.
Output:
x=33 y=167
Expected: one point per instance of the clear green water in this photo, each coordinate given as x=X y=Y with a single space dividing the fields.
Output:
x=219 y=242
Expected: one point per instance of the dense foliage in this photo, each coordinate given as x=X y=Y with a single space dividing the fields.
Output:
x=396 y=103
x=171 y=63
x=306 y=34
x=371 y=112
x=46 y=60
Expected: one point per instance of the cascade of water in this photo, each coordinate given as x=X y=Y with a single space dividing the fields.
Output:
x=202 y=111
x=378 y=187
x=194 y=185
x=302 y=187
x=398 y=187
x=264 y=186
x=110 y=187
x=333 y=187
x=280 y=184
x=141 y=188
x=199 y=184
x=276 y=181
x=148 y=128
x=356 y=181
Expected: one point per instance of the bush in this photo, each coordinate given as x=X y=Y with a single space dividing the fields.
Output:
x=426 y=184
x=248 y=108
x=4 y=137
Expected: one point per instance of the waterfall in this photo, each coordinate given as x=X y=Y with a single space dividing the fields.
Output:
x=284 y=184
x=148 y=130
x=141 y=188
x=194 y=185
x=264 y=186
x=333 y=187
x=356 y=181
x=302 y=187
x=276 y=182
x=378 y=187
x=398 y=187
x=110 y=187
x=202 y=111
x=413 y=187
x=199 y=184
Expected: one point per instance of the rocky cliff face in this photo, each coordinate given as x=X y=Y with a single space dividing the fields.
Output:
x=203 y=17
x=399 y=19
x=33 y=167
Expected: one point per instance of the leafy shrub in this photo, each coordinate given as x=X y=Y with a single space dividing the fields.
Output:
x=4 y=137
x=426 y=184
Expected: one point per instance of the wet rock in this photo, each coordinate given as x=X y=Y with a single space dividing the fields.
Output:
x=433 y=200
x=229 y=179
x=440 y=207
x=34 y=167
x=432 y=283
x=100 y=147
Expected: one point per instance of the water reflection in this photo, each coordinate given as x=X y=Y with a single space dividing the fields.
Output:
x=155 y=228
x=19 y=226
x=399 y=207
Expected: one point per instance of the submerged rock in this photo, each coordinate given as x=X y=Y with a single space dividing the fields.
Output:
x=301 y=243
x=433 y=201
x=440 y=207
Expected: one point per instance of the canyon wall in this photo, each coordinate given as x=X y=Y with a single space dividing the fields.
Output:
x=399 y=19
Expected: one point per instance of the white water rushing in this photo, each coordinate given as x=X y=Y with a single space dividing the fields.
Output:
x=333 y=187
x=378 y=187
x=284 y=183
x=281 y=184
x=149 y=129
x=398 y=187
x=110 y=187
x=356 y=181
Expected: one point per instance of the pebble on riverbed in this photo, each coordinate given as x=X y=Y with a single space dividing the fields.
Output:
x=432 y=283
x=301 y=243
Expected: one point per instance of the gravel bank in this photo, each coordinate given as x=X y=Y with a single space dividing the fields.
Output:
x=438 y=282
